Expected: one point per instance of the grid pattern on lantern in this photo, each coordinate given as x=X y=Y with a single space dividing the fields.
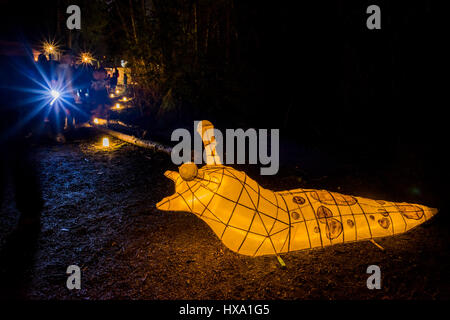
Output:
x=327 y=217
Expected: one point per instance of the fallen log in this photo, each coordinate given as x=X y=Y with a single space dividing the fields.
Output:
x=120 y=123
x=131 y=139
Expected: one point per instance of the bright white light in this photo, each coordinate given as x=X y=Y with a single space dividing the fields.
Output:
x=105 y=142
x=55 y=94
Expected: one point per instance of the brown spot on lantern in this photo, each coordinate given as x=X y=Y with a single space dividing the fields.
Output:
x=383 y=212
x=334 y=228
x=411 y=212
x=298 y=200
x=323 y=213
x=333 y=198
x=295 y=215
x=384 y=222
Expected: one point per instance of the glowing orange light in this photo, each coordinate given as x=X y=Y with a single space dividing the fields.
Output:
x=111 y=95
x=117 y=105
x=255 y=221
x=96 y=121
x=117 y=91
x=49 y=47
x=105 y=142
x=86 y=58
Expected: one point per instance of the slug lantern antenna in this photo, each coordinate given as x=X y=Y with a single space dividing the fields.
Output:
x=206 y=130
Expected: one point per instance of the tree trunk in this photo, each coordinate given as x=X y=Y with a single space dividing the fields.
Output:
x=207 y=32
x=195 y=34
x=133 y=23
x=123 y=21
x=227 y=32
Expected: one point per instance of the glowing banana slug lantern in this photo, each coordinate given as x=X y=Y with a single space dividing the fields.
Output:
x=255 y=221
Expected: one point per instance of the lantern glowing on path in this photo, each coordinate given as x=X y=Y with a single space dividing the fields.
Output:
x=100 y=121
x=254 y=221
x=105 y=142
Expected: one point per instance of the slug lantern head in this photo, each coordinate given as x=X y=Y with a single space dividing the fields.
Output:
x=193 y=188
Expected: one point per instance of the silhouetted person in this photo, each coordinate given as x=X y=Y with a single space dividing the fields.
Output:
x=99 y=92
x=52 y=65
x=17 y=166
x=82 y=75
x=86 y=80
x=42 y=60
x=65 y=79
x=125 y=81
x=113 y=80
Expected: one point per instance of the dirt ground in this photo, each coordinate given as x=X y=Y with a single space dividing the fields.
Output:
x=100 y=215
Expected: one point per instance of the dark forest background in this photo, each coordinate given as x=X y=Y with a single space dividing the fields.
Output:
x=312 y=69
